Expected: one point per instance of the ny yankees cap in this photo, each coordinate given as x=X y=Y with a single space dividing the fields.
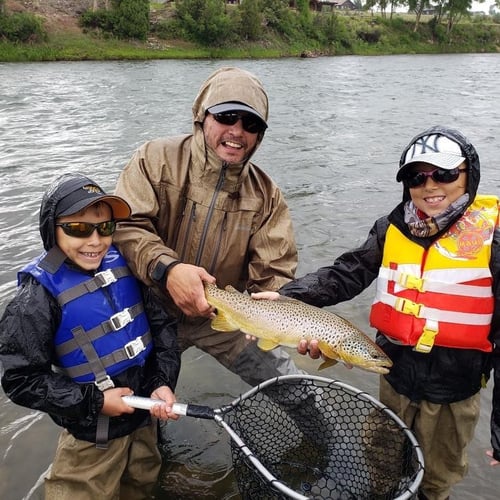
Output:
x=434 y=149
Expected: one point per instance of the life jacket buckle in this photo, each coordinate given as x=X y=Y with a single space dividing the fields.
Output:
x=134 y=347
x=120 y=319
x=408 y=307
x=411 y=282
x=426 y=341
x=104 y=384
x=105 y=277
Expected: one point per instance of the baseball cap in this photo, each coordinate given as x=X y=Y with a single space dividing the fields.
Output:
x=435 y=149
x=83 y=192
x=223 y=107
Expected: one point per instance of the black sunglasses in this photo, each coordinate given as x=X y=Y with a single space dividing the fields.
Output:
x=249 y=121
x=415 y=179
x=85 y=229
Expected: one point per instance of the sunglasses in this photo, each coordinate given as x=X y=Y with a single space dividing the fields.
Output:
x=415 y=179
x=85 y=229
x=250 y=122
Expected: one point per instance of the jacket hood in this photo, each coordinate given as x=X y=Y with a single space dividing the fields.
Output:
x=468 y=152
x=230 y=84
x=227 y=84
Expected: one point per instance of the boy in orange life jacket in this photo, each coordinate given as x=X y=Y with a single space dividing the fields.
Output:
x=79 y=334
x=437 y=306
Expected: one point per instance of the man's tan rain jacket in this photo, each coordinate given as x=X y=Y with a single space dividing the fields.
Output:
x=186 y=205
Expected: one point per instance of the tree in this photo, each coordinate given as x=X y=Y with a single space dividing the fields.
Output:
x=204 y=20
x=418 y=7
x=456 y=9
x=250 y=19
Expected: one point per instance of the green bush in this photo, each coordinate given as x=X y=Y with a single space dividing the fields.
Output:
x=205 y=21
x=127 y=19
x=250 y=20
x=132 y=19
x=100 y=19
x=22 y=27
x=170 y=29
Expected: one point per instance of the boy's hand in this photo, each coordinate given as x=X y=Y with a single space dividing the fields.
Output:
x=265 y=295
x=114 y=405
x=163 y=411
x=310 y=348
x=493 y=462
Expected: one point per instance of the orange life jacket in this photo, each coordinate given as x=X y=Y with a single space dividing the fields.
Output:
x=441 y=296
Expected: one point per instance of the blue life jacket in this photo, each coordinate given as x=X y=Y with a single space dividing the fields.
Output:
x=104 y=329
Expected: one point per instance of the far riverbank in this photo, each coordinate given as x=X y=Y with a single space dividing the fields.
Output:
x=356 y=34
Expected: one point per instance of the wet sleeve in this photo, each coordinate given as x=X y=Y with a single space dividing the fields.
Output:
x=348 y=276
x=27 y=331
x=166 y=355
x=272 y=249
x=495 y=356
x=137 y=238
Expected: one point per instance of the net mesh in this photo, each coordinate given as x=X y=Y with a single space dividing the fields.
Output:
x=322 y=439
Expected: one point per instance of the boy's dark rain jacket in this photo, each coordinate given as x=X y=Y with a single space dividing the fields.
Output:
x=444 y=375
x=27 y=355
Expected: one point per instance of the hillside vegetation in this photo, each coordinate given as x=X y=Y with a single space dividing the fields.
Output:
x=71 y=30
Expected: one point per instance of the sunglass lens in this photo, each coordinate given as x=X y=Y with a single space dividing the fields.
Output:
x=415 y=179
x=252 y=124
x=446 y=176
x=441 y=175
x=85 y=229
x=78 y=229
x=227 y=118
x=249 y=122
x=106 y=228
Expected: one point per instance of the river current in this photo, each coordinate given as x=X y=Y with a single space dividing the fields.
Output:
x=337 y=127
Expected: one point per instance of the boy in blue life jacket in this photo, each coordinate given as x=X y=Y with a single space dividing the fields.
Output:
x=81 y=333
x=436 y=261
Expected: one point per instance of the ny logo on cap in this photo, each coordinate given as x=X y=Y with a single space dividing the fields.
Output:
x=433 y=143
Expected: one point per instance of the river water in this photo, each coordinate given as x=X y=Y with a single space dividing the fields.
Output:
x=336 y=130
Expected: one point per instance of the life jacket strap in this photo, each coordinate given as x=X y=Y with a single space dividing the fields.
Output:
x=117 y=321
x=99 y=280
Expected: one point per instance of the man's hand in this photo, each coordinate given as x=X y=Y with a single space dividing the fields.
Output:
x=185 y=286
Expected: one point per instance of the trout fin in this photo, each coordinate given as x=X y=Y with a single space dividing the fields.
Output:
x=327 y=363
x=231 y=289
x=266 y=344
x=331 y=357
x=327 y=350
x=223 y=324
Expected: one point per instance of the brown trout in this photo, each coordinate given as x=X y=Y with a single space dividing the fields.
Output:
x=286 y=321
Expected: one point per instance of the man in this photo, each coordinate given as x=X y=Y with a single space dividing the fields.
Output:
x=201 y=211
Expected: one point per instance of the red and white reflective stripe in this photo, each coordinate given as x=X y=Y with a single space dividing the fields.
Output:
x=405 y=306
x=429 y=282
